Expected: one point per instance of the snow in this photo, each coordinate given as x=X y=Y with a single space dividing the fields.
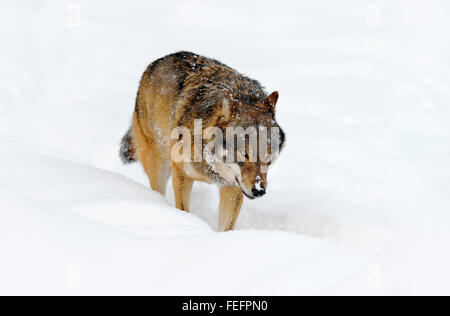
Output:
x=258 y=184
x=357 y=203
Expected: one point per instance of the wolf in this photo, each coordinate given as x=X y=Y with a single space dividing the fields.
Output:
x=177 y=91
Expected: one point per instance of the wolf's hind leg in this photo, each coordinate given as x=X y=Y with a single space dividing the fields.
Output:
x=231 y=199
x=182 y=188
x=158 y=172
x=155 y=165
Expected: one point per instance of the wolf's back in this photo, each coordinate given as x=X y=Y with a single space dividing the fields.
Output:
x=177 y=89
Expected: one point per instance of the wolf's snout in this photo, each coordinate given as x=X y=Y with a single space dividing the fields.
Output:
x=258 y=192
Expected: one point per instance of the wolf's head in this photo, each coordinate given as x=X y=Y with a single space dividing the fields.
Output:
x=252 y=142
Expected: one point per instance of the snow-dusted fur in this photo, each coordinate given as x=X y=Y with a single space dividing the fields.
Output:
x=174 y=92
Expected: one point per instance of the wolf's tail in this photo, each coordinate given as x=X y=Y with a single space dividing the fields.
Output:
x=128 y=148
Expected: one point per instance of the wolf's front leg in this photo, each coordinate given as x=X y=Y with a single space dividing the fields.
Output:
x=231 y=199
x=182 y=188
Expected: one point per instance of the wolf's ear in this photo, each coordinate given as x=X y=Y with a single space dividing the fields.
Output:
x=271 y=101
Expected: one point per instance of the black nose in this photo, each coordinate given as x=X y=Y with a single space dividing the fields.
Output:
x=259 y=193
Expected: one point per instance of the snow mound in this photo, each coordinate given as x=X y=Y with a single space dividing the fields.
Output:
x=67 y=228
